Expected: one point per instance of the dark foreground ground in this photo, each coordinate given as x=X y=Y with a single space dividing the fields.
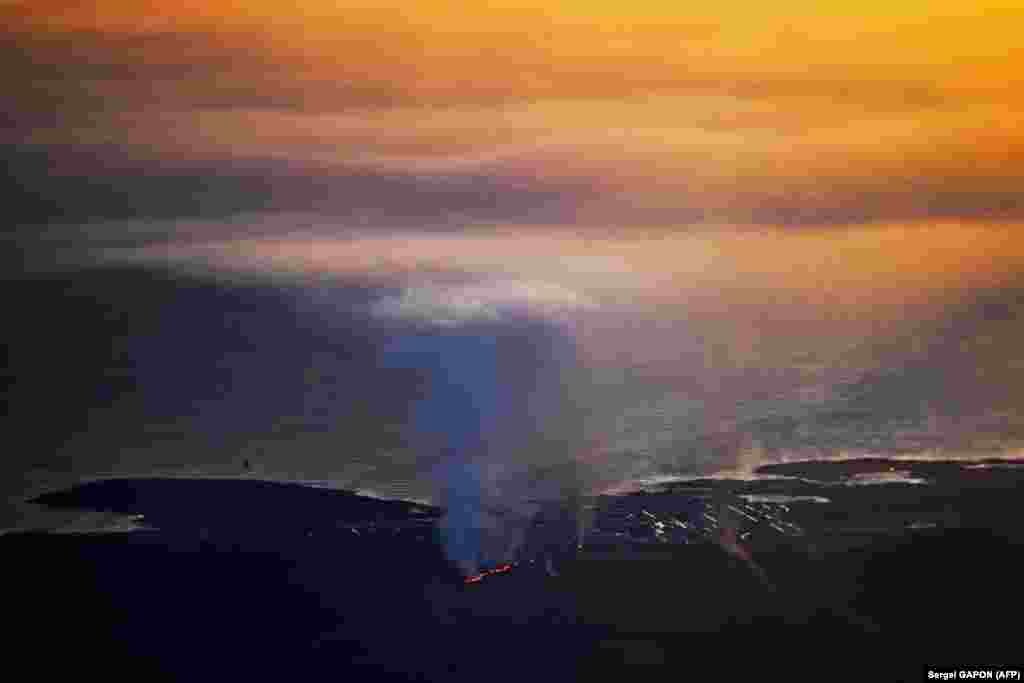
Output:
x=244 y=580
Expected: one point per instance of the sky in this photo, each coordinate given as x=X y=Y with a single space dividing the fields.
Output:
x=797 y=113
x=723 y=235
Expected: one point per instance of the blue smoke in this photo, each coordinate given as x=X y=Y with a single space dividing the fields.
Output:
x=460 y=408
x=490 y=390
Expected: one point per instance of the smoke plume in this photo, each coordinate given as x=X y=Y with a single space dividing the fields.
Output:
x=499 y=420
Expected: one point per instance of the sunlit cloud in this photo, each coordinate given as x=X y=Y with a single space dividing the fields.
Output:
x=883 y=265
x=829 y=114
x=450 y=305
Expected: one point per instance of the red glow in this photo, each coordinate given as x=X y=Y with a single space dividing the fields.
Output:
x=500 y=569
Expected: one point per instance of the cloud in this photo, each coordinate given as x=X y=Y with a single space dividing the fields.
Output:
x=871 y=267
x=668 y=160
x=124 y=194
x=646 y=113
x=66 y=79
x=481 y=301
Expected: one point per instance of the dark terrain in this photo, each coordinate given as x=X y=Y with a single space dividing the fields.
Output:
x=236 y=579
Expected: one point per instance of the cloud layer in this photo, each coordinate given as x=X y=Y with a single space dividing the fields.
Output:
x=649 y=113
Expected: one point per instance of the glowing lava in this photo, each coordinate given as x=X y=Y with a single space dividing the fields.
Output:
x=500 y=569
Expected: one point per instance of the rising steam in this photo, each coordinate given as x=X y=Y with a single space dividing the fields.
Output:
x=498 y=414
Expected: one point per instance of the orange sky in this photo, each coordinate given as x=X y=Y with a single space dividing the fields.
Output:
x=833 y=113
